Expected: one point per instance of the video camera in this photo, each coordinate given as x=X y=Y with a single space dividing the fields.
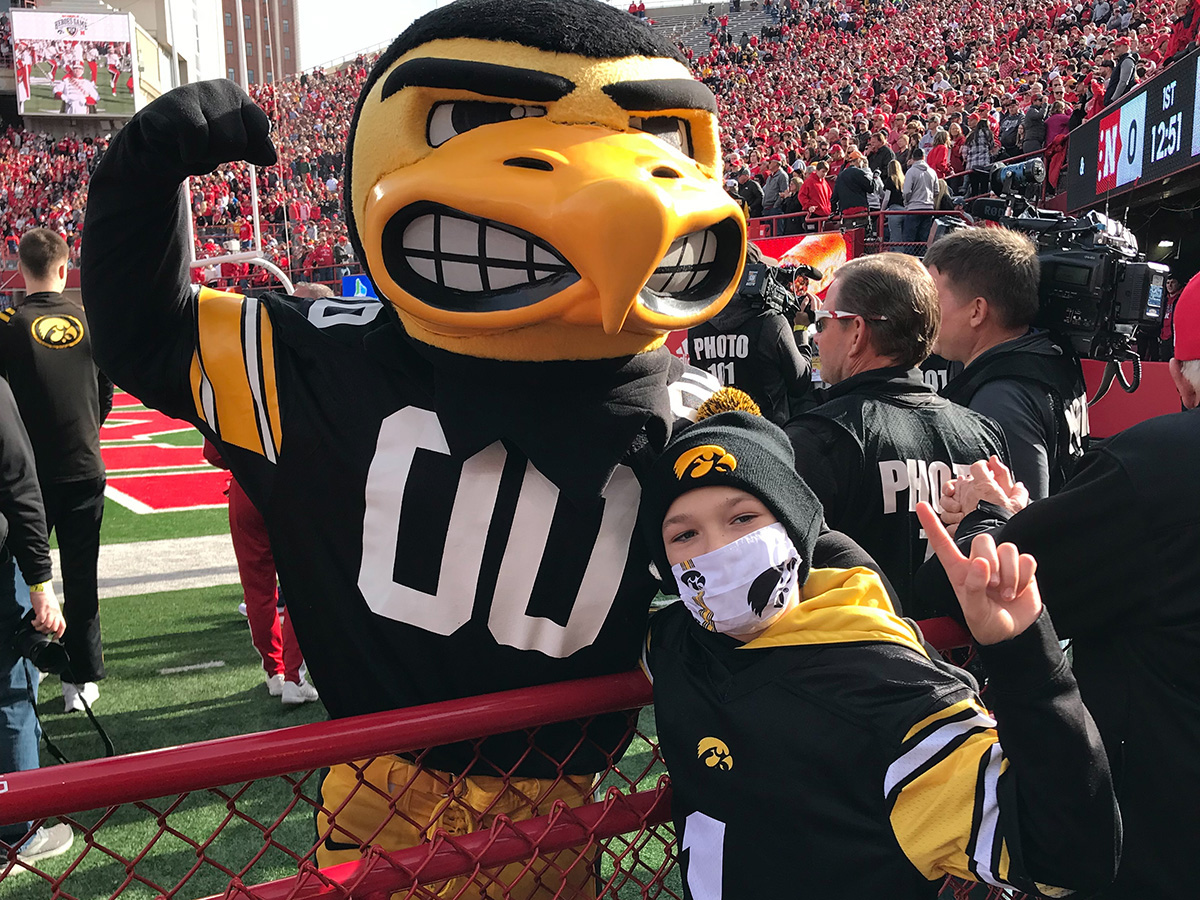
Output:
x=1096 y=289
x=762 y=287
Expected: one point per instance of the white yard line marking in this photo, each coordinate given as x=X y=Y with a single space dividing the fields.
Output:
x=211 y=664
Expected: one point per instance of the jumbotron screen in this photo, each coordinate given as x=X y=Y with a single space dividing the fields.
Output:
x=1153 y=132
x=74 y=64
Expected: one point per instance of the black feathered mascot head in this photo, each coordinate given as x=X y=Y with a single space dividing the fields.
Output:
x=540 y=181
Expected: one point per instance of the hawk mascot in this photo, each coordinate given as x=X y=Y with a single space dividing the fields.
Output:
x=449 y=476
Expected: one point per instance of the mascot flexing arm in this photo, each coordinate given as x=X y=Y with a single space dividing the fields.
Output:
x=449 y=477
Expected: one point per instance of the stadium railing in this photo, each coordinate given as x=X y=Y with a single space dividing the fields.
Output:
x=879 y=227
x=234 y=817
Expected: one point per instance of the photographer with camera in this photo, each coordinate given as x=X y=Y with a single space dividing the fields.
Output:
x=750 y=344
x=1119 y=570
x=1020 y=376
x=883 y=439
x=23 y=540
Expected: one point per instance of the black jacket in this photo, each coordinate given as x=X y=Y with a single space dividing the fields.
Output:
x=882 y=441
x=751 y=193
x=755 y=349
x=880 y=159
x=851 y=189
x=1033 y=388
x=1119 y=569
x=22 y=516
x=46 y=354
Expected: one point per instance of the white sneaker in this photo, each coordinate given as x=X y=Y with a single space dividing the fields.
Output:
x=74 y=695
x=46 y=842
x=275 y=684
x=295 y=693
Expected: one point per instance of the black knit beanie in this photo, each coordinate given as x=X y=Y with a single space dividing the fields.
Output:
x=741 y=450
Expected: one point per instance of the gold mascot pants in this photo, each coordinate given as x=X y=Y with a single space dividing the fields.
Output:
x=427 y=800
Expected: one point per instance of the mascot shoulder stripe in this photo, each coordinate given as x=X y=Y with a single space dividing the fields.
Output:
x=232 y=373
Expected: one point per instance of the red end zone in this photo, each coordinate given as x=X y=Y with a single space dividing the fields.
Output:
x=146 y=475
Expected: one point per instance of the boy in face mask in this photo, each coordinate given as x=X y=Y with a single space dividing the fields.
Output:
x=815 y=746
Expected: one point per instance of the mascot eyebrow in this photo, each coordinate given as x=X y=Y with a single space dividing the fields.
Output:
x=534 y=86
x=468 y=75
x=662 y=93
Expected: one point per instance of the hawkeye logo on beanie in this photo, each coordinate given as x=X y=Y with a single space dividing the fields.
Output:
x=699 y=461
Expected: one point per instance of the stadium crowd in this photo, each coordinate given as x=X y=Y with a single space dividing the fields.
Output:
x=823 y=81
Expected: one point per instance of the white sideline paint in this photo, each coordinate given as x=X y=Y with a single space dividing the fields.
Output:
x=148 y=567
x=211 y=664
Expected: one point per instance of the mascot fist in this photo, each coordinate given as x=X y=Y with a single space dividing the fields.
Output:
x=195 y=128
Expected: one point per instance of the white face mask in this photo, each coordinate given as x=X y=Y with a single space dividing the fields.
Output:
x=743 y=587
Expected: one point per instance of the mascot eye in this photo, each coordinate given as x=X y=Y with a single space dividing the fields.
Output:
x=447 y=120
x=671 y=130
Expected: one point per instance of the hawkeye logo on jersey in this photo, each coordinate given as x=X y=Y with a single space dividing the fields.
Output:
x=714 y=753
x=699 y=461
x=57 y=332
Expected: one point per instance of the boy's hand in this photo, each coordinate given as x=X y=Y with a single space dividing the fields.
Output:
x=996 y=587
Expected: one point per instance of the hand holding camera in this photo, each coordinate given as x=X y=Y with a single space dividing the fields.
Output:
x=47 y=611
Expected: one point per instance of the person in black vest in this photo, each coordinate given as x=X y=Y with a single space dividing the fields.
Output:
x=883 y=439
x=1020 y=376
x=46 y=354
x=1118 y=568
x=750 y=346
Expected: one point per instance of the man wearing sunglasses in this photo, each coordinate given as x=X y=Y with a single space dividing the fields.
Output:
x=883 y=440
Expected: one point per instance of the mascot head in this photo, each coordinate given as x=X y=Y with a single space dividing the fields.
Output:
x=540 y=181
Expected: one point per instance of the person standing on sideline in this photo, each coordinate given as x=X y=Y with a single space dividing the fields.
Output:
x=23 y=540
x=45 y=353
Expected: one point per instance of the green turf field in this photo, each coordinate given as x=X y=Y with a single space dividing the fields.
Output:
x=122 y=526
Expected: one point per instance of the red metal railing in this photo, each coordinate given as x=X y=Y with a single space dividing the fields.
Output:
x=614 y=830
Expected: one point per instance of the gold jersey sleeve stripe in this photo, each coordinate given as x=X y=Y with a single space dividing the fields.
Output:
x=946 y=818
x=233 y=371
x=7 y=314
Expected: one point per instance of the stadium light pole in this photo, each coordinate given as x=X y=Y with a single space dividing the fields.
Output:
x=240 y=28
x=170 y=11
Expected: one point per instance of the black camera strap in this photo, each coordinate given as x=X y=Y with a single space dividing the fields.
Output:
x=51 y=747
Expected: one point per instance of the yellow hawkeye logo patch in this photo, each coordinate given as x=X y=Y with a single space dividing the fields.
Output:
x=699 y=461
x=57 y=332
x=714 y=753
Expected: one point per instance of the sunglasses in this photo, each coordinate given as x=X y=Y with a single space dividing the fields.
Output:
x=821 y=316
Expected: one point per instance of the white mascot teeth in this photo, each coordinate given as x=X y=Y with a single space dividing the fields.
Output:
x=687 y=261
x=509 y=260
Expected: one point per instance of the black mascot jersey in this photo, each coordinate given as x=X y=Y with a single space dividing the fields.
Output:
x=432 y=545
x=449 y=476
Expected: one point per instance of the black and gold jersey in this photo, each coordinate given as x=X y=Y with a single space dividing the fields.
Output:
x=832 y=757
x=443 y=526
x=46 y=355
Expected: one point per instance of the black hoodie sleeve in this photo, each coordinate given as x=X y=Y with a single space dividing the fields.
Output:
x=22 y=515
x=135 y=251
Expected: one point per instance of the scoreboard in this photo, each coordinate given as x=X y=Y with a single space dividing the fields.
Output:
x=1154 y=131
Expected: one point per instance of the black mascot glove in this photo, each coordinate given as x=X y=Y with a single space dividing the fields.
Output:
x=195 y=128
